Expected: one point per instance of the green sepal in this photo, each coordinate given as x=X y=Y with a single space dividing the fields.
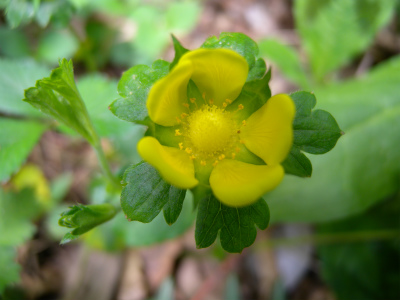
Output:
x=146 y=193
x=134 y=87
x=241 y=44
x=253 y=95
x=235 y=224
x=83 y=218
x=315 y=131
x=179 y=51
x=59 y=97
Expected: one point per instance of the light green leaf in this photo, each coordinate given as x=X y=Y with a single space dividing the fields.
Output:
x=286 y=59
x=235 y=224
x=363 y=168
x=146 y=193
x=182 y=16
x=179 y=51
x=17 y=140
x=97 y=92
x=134 y=87
x=15 y=76
x=14 y=43
x=333 y=32
x=16 y=213
x=9 y=268
x=59 y=97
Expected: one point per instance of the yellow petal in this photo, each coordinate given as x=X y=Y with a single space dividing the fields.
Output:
x=219 y=73
x=173 y=165
x=236 y=183
x=269 y=131
x=166 y=97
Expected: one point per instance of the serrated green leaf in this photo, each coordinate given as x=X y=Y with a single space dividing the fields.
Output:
x=235 y=224
x=59 y=97
x=179 y=51
x=9 y=268
x=16 y=213
x=17 y=140
x=315 y=131
x=241 y=44
x=146 y=193
x=333 y=32
x=297 y=163
x=15 y=76
x=286 y=59
x=134 y=87
x=362 y=169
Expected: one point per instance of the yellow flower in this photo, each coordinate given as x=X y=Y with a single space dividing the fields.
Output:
x=240 y=159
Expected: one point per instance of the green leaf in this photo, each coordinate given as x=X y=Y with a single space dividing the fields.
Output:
x=366 y=269
x=241 y=44
x=362 y=169
x=146 y=193
x=315 y=131
x=134 y=87
x=97 y=91
x=297 y=163
x=17 y=210
x=179 y=51
x=15 y=76
x=333 y=32
x=17 y=140
x=286 y=59
x=59 y=97
x=9 y=268
x=182 y=16
x=235 y=224
x=83 y=218
x=14 y=43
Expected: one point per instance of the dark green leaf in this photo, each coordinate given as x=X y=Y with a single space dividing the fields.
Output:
x=258 y=71
x=9 y=267
x=366 y=269
x=241 y=44
x=179 y=51
x=236 y=224
x=17 y=139
x=134 y=87
x=83 y=218
x=146 y=193
x=59 y=97
x=315 y=131
x=297 y=163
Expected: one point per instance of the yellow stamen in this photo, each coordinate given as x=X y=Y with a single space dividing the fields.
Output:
x=221 y=157
x=185 y=105
x=178 y=120
x=240 y=106
x=211 y=102
x=193 y=100
x=241 y=141
x=181 y=146
x=177 y=132
x=224 y=104
x=204 y=95
x=215 y=163
x=237 y=149
x=188 y=150
x=233 y=155
x=244 y=123
x=228 y=101
x=192 y=157
x=203 y=163
x=184 y=115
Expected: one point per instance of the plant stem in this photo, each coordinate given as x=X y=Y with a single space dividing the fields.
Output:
x=104 y=165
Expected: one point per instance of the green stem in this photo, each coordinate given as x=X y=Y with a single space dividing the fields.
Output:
x=334 y=238
x=105 y=166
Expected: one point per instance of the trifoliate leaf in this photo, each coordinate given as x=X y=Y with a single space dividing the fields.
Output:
x=315 y=131
x=59 y=97
x=235 y=224
x=146 y=193
x=297 y=163
x=17 y=139
x=134 y=87
x=241 y=44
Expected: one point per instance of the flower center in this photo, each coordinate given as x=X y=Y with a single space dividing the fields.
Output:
x=210 y=131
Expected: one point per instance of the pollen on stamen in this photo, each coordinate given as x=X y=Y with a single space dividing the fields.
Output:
x=221 y=157
x=180 y=146
x=184 y=115
x=237 y=149
x=228 y=101
x=177 y=132
x=192 y=157
x=211 y=101
x=244 y=123
x=204 y=95
x=233 y=155
x=224 y=104
x=240 y=106
x=188 y=150
x=185 y=105
x=193 y=100
x=178 y=120
x=215 y=163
